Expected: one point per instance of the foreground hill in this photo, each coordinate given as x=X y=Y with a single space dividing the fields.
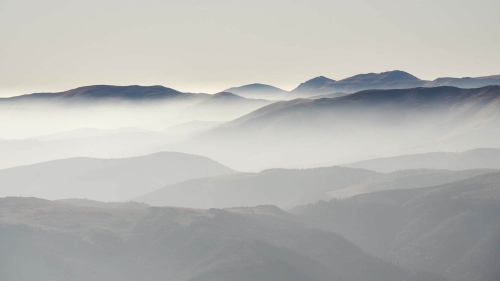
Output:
x=475 y=158
x=105 y=179
x=452 y=229
x=62 y=242
x=289 y=188
x=258 y=91
x=320 y=132
x=386 y=80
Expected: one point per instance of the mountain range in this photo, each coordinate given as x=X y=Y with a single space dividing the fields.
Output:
x=320 y=85
x=386 y=80
x=366 y=124
x=103 y=93
x=287 y=188
x=106 y=179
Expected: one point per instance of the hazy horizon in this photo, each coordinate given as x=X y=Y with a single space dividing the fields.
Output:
x=209 y=47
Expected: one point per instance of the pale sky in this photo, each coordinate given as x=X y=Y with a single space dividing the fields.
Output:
x=207 y=46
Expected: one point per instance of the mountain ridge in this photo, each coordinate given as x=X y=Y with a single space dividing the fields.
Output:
x=395 y=79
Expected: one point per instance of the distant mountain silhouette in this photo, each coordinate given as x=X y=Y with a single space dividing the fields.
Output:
x=62 y=242
x=451 y=230
x=100 y=93
x=313 y=86
x=258 y=91
x=386 y=80
x=106 y=179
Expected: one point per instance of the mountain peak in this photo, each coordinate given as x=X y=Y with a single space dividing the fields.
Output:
x=258 y=91
x=384 y=80
x=392 y=75
x=97 y=92
x=226 y=95
x=313 y=84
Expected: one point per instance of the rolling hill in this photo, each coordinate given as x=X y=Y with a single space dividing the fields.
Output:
x=281 y=187
x=321 y=132
x=470 y=159
x=287 y=188
x=105 y=179
x=223 y=106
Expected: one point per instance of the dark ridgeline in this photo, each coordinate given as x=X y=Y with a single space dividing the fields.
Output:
x=100 y=93
x=320 y=85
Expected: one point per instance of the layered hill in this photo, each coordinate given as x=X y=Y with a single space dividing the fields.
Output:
x=60 y=242
x=106 y=179
x=451 y=229
x=287 y=188
x=108 y=107
x=476 y=158
x=281 y=187
x=369 y=123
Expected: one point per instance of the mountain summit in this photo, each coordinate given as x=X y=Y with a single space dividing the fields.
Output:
x=258 y=91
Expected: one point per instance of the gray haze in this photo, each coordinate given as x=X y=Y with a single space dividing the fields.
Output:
x=256 y=140
x=211 y=46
